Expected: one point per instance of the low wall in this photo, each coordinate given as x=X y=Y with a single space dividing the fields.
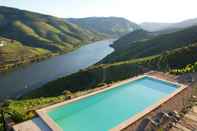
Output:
x=175 y=103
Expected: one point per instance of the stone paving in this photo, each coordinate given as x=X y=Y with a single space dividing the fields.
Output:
x=188 y=122
x=36 y=124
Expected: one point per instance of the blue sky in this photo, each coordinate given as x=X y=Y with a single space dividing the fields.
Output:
x=134 y=10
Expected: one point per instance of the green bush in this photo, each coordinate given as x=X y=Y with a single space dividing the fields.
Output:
x=187 y=69
x=21 y=110
x=1 y=123
x=17 y=116
x=1 y=127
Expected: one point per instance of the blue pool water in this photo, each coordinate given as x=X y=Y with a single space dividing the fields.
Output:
x=106 y=110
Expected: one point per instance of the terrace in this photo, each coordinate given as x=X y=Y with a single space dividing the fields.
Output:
x=175 y=101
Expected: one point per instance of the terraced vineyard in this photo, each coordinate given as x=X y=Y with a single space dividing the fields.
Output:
x=153 y=46
x=13 y=53
x=28 y=36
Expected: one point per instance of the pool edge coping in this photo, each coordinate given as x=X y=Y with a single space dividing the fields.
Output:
x=151 y=108
x=42 y=113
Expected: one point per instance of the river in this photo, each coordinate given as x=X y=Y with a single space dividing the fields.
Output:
x=26 y=78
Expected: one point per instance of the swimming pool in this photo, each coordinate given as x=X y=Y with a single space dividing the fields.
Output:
x=107 y=109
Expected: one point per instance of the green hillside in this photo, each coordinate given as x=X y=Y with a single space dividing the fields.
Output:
x=153 y=46
x=137 y=35
x=42 y=31
x=14 y=53
x=31 y=36
x=86 y=79
x=177 y=58
x=166 y=57
x=107 y=73
x=109 y=26
x=155 y=27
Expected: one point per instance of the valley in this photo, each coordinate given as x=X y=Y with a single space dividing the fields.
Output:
x=46 y=59
x=50 y=69
x=43 y=35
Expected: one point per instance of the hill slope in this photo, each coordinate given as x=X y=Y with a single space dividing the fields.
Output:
x=173 y=59
x=137 y=35
x=106 y=73
x=41 y=31
x=30 y=36
x=14 y=53
x=109 y=26
x=154 y=27
x=154 y=46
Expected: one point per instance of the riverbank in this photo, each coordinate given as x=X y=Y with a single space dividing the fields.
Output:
x=9 y=66
x=87 y=79
x=35 y=75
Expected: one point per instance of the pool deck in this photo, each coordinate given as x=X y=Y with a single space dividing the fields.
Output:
x=188 y=122
x=35 y=124
x=42 y=113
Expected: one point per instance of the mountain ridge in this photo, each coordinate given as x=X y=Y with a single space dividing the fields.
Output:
x=154 y=26
x=110 y=26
